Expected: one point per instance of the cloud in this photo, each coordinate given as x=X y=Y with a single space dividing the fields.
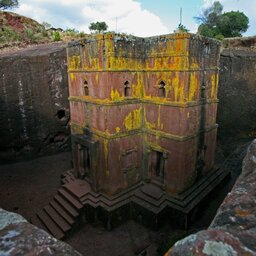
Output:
x=124 y=15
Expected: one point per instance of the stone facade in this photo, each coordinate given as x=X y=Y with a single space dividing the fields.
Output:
x=143 y=109
x=143 y=123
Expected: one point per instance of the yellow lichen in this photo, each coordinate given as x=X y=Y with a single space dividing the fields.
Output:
x=133 y=120
x=138 y=87
x=194 y=63
x=214 y=86
x=148 y=124
x=178 y=87
x=193 y=86
x=72 y=76
x=115 y=95
x=74 y=62
x=159 y=116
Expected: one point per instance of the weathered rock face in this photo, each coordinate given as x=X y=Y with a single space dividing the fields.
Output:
x=237 y=94
x=18 y=237
x=34 y=108
x=232 y=231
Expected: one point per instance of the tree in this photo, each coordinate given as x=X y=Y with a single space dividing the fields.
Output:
x=8 y=4
x=219 y=25
x=211 y=14
x=46 y=25
x=232 y=24
x=98 y=27
x=181 y=29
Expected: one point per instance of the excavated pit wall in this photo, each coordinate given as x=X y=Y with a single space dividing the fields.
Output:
x=34 y=108
x=237 y=94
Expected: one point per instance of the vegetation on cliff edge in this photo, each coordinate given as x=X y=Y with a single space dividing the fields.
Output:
x=216 y=24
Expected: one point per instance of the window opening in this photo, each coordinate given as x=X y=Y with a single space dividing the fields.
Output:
x=127 y=89
x=86 y=89
x=161 y=90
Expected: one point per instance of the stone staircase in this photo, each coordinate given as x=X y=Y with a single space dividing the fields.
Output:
x=62 y=214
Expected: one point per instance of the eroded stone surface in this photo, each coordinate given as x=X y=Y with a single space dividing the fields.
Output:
x=34 y=108
x=237 y=94
x=18 y=237
x=233 y=230
x=8 y=218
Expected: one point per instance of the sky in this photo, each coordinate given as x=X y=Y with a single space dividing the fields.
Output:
x=136 y=17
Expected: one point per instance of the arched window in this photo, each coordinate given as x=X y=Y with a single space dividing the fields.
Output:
x=86 y=88
x=127 y=89
x=161 y=90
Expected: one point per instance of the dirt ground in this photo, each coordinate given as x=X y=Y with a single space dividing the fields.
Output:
x=26 y=187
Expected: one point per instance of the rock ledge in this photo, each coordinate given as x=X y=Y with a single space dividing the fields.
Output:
x=18 y=237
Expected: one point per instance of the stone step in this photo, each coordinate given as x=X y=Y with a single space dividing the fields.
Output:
x=58 y=208
x=50 y=225
x=57 y=218
x=67 y=206
x=70 y=198
x=67 y=177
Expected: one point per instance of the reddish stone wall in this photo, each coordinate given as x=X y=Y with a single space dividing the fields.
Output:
x=103 y=68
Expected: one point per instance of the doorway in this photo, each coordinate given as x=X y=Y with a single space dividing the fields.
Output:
x=84 y=162
x=157 y=165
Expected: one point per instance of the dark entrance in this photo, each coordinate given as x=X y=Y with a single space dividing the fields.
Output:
x=157 y=165
x=84 y=162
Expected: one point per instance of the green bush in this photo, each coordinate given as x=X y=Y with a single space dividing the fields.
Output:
x=56 y=36
x=81 y=34
x=71 y=32
x=30 y=35
x=8 y=35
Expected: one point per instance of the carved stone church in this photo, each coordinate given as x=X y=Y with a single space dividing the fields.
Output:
x=143 y=123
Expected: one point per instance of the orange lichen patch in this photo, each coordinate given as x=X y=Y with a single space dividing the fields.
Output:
x=96 y=79
x=242 y=213
x=179 y=45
